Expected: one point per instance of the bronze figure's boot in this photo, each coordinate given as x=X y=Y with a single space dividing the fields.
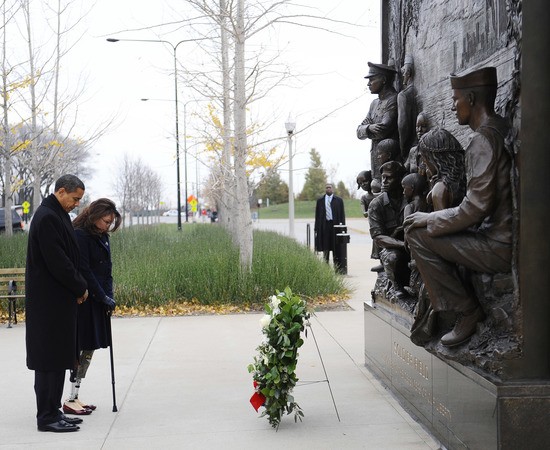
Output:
x=464 y=328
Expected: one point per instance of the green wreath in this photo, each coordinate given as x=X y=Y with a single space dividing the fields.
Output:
x=274 y=368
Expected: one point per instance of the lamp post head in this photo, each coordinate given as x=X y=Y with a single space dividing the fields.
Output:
x=112 y=40
x=290 y=126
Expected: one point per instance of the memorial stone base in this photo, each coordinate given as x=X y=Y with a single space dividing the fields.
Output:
x=463 y=408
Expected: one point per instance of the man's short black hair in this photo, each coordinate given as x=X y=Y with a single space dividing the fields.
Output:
x=70 y=182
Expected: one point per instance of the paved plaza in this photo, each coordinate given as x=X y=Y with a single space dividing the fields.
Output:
x=182 y=382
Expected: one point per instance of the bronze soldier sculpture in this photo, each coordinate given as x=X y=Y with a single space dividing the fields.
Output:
x=477 y=234
x=407 y=109
x=381 y=120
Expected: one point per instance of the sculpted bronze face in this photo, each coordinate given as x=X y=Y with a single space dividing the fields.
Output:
x=376 y=84
x=390 y=182
x=461 y=106
x=408 y=190
x=421 y=126
x=363 y=183
x=406 y=72
x=431 y=170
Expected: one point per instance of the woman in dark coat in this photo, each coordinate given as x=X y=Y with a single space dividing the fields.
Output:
x=92 y=228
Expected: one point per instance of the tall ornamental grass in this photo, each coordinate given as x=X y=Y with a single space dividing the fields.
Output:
x=160 y=264
x=13 y=250
x=156 y=265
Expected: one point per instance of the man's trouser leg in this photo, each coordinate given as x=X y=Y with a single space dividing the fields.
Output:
x=328 y=240
x=48 y=386
x=437 y=259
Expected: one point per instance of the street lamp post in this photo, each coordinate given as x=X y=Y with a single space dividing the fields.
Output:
x=174 y=50
x=290 y=126
x=185 y=158
x=184 y=149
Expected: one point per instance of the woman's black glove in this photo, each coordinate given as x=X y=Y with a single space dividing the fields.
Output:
x=109 y=303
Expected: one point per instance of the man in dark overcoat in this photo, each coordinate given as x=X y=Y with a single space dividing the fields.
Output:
x=54 y=287
x=329 y=211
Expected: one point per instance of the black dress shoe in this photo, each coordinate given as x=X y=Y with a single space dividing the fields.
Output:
x=73 y=420
x=59 y=427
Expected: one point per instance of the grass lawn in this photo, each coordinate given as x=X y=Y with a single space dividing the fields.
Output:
x=306 y=210
x=159 y=270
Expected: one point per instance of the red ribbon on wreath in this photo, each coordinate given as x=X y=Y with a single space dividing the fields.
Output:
x=257 y=399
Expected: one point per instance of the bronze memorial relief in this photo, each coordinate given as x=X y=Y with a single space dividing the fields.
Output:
x=442 y=225
x=456 y=326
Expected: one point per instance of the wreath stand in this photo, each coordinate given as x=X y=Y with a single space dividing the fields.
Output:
x=326 y=380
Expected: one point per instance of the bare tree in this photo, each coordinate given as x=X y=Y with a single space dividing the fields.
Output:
x=254 y=75
x=6 y=147
x=234 y=78
x=138 y=188
x=51 y=112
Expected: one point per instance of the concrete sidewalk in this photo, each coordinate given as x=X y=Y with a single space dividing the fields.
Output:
x=182 y=382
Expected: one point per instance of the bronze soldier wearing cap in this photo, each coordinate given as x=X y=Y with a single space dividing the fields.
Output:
x=477 y=234
x=381 y=120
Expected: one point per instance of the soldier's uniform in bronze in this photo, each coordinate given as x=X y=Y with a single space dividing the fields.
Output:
x=383 y=111
x=476 y=234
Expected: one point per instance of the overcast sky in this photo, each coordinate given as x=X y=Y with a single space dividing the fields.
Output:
x=329 y=69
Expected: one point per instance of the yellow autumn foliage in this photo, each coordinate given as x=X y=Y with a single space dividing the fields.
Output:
x=194 y=308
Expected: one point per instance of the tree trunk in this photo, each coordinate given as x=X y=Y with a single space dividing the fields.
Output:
x=35 y=165
x=243 y=222
x=6 y=138
x=227 y=208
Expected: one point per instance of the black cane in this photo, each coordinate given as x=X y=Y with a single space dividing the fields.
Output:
x=115 y=409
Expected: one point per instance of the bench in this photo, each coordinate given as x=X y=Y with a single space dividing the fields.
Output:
x=12 y=287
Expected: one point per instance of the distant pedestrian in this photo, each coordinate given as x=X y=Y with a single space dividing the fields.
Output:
x=329 y=211
x=93 y=226
x=54 y=288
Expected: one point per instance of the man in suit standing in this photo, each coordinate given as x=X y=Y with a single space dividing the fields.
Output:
x=329 y=211
x=54 y=288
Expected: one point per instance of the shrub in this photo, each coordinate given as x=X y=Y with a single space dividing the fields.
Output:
x=156 y=265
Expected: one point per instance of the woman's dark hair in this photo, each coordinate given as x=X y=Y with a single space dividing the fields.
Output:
x=93 y=212
x=440 y=148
